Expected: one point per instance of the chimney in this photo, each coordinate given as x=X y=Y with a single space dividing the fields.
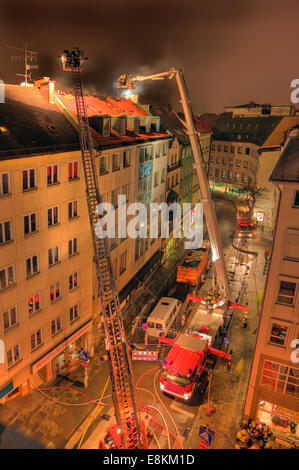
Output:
x=47 y=88
x=119 y=124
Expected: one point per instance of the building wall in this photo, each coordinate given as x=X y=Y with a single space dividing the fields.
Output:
x=14 y=207
x=272 y=346
x=231 y=165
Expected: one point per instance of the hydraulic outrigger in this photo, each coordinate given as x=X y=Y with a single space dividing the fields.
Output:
x=129 y=82
x=121 y=375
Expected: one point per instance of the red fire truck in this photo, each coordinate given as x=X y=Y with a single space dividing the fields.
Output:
x=187 y=358
x=245 y=224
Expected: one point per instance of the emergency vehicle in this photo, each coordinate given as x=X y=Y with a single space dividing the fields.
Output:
x=245 y=226
x=193 y=265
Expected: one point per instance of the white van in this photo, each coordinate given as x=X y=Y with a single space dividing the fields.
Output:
x=162 y=317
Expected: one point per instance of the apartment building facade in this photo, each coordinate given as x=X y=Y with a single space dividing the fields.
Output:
x=49 y=302
x=273 y=392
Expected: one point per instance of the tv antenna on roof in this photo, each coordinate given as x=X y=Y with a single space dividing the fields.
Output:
x=26 y=55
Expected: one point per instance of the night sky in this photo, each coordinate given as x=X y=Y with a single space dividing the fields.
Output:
x=231 y=51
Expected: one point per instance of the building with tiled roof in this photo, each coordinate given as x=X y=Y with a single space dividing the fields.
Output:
x=49 y=304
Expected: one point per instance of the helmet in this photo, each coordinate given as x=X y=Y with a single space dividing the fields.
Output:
x=252 y=425
x=266 y=429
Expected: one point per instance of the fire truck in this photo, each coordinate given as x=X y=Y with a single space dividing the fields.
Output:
x=187 y=359
x=245 y=226
x=193 y=265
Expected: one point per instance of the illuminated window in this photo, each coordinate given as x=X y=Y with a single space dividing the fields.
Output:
x=10 y=318
x=73 y=170
x=278 y=334
x=280 y=378
x=52 y=174
x=36 y=339
x=34 y=304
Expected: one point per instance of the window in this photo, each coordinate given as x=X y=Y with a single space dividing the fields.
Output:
x=213 y=147
x=103 y=165
x=114 y=198
x=56 y=325
x=226 y=148
x=247 y=151
x=163 y=173
x=73 y=246
x=278 y=334
x=280 y=378
x=34 y=304
x=10 y=318
x=164 y=149
x=13 y=355
x=123 y=262
x=230 y=175
x=31 y=265
x=73 y=209
x=126 y=159
x=296 y=199
x=28 y=179
x=53 y=255
x=239 y=149
x=223 y=161
x=244 y=178
x=52 y=174
x=286 y=293
x=5 y=232
x=55 y=291
x=237 y=176
x=73 y=170
x=232 y=149
x=125 y=191
x=156 y=176
x=219 y=148
x=245 y=164
x=30 y=224
x=36 y=339
x=223 y=174
x=4 y=184
x=7 y=277
x=52 y=216
x=216 y=172
x=115 y=162
x=158 y=150
x=238 y=162
x=74 y=312
x=73 y=281
x=291 y=245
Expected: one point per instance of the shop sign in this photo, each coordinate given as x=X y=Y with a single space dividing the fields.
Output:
x=56 y=351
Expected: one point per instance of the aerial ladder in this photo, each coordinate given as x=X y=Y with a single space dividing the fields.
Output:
x=120 y=367
x=129 y=82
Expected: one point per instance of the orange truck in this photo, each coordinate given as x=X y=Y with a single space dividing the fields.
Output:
x=193 y=264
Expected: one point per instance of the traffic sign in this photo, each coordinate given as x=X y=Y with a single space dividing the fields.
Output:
x=82 y=355
x=205 y=435
x=204 y=445
x=84 y=363
x=226 y=340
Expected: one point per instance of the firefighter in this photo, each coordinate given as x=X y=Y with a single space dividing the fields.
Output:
x=122 y=80
x=242 y=439
x=265 y=436
x=244 y=320
x=252 y=430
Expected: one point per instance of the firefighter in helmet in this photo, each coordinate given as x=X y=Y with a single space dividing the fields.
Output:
x=265 y=437
x=242 y=439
